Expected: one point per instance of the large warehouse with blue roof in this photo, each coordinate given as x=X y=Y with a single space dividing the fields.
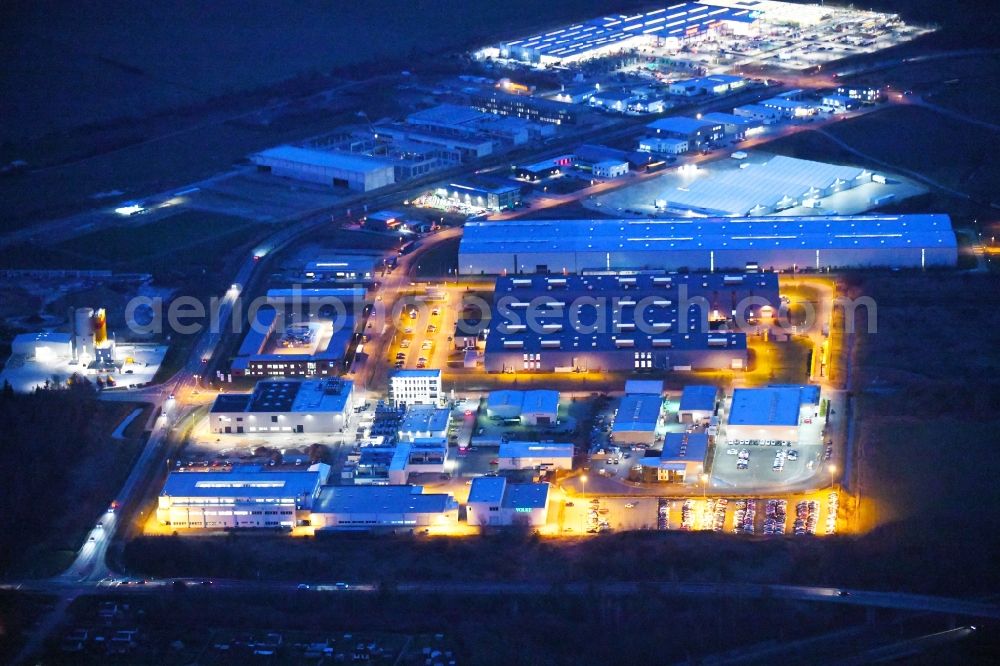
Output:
x=711 y=243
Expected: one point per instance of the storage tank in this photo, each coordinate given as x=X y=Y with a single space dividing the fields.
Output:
x=83 y=340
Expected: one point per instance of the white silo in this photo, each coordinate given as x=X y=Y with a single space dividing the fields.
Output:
x=83 y=334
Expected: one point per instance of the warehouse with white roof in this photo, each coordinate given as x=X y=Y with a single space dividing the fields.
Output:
x=780 y=243
x=328 y=167
x=760 y=188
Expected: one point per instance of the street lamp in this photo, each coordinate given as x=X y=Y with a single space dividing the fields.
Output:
x=583 y=480
x=704 y=485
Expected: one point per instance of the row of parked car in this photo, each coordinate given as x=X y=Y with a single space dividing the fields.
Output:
x=832 y=506
x=743 y=519
x=806 y=517
x=774 y=516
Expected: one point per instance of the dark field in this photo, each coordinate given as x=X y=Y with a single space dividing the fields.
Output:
x=955 y=154
x=47 y=507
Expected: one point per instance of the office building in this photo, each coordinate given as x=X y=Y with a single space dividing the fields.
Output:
x=415 y=387
x=320 y=406
x=241 y=496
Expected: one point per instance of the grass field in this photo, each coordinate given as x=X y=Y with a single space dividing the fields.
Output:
x=929 y=396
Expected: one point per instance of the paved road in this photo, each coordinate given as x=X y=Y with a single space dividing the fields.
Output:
x=827 y=595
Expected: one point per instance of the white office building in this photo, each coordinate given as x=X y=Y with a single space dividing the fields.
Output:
x=319 y=406
x=243 y=496
x=415 y=387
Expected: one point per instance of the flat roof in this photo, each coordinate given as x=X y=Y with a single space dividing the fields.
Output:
x=728 y=118
x=487 y=489
x=761 y=184
x=883 y=231
x=535 y=450
x=525 y=496
x=766 y=406
x=231 y=402
x=324 y=158
x=289 y=395
x=447 y=114
x=44 y=336
x=403 y=374
x=623 y=312
x=540 y=400
x=680 y=124
x=380 y=499
x=646 y=386
x=505 y=398
x=246 y=481
x=684 y=446
x=699 y=398
x=679 y=20
x=425 y=418
x=637 y=413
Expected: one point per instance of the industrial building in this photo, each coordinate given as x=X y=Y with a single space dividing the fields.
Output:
x=533 y=109
x=616 y=322
x=415 y=387
x=242 y=496
x=334 y=168
x=761 y=188
x=313 y=348
x=771 y=415
x=575 y=94
x=535 y=455
x=644 y=387
x=535 y=407
x=696 y=132
x=637 y=418
x=463 y=147
x=664 y=145
x=715 y=244
x=44 y=345
x=734 y=126
x=763 y=114
x=610 y=169
x=552 y=166
x=342 y=269
x=697 y=403
x=718 y=84
x=682 y=459
x=318 y=406
x=424 y=421
x=492 y=198
x=617 y=33
x=371 y=507
x=494 y=501
x=393 y=465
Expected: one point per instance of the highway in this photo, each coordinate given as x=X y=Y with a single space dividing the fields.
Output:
x=899 y=601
